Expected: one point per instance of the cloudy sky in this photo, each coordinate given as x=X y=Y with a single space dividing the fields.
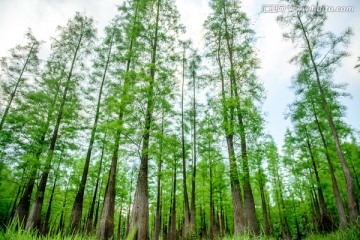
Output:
x=44 y=15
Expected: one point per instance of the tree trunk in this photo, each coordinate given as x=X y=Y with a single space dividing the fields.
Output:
x=45 y=227
x=75 y=220
x=350 y=188
x=158 y=196
x=186 y=227
x=193 y=180
x=89 y=224
x=119 y=224
x=212 y=220
x=264 y=206
x=325 y=223
x=172 y=224
x=339 y=203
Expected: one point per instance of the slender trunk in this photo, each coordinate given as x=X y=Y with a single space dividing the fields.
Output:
x=264 y=205
x=12 y=211
x=35 y=214
x=350 y=188
x=97 y=208
x=172 y=228
x=75 y=220
x=193 y=180
x=286 y=224
x=61 y=222
x=140 y=213
x=18 y=82
x=324 y=222
x=89 y=224
x=212 y=220
x=119 y=224
x=186 y=228
x=129 y=205
x=339 y=204
x=158 y=197
x=45 y=227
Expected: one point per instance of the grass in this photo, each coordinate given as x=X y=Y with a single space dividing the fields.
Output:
x=353 y=233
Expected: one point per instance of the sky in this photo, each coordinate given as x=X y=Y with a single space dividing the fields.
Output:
x=42 y=16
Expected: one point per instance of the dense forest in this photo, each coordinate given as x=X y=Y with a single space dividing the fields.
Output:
x=141 y=135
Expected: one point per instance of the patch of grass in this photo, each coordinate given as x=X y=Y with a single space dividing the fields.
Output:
x=353 y=233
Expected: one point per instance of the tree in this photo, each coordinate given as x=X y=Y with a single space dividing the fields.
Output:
x=80 y=33
x=236 y=60
x=23 y=61
x=321 y=51
x=161 y=41
x=105 y=54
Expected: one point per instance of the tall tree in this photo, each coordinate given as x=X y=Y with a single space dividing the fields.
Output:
x=23 y=60
x=105 y=54
x=161 y=39
x=133 y=11
x=322 y=51
x=80 y=33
